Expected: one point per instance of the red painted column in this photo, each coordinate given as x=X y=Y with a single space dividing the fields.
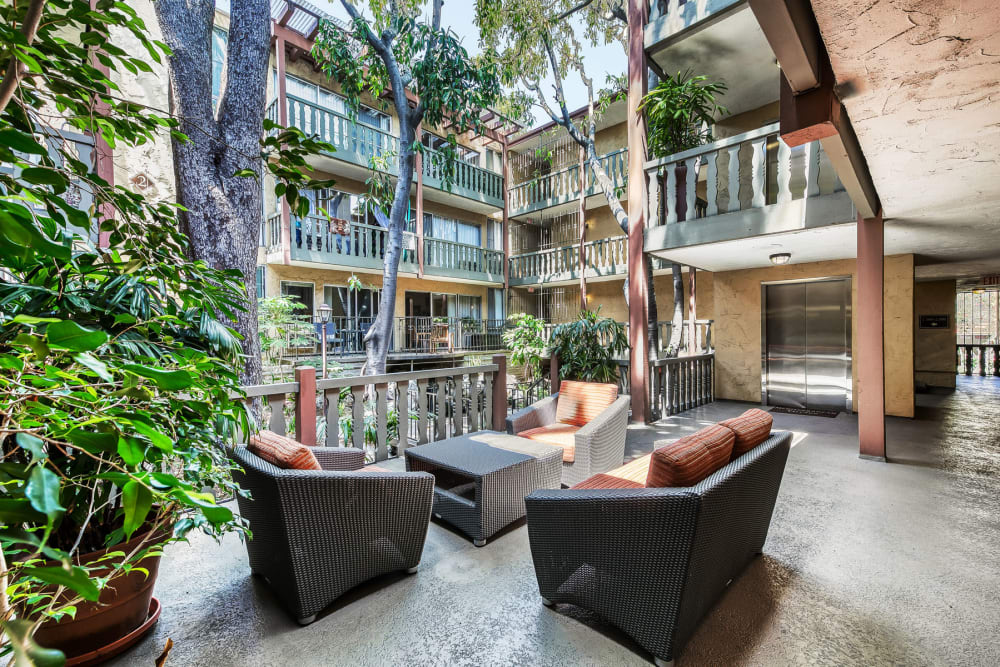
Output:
x=500 y=394
x=553 y=374
x=418 y=166
x=870 y=353
x=505 y=169
x=582 y=212
x=638 y=12
x=305 y=405
x=693 y=347
x=104 y=163
x=286 y=213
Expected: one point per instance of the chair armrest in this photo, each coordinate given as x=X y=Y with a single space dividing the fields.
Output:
x=609 y=419
x=541 y=413
x=339 y=458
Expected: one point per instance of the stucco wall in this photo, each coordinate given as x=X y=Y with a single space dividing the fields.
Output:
x=934 y=350
x=737 y=313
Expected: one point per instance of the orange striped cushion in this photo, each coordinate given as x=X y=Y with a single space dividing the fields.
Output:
x=374 y=468
x=751 y=428
x=282 y=451
x=560 y=435
x=606 y=481
x=580 y=402
x=692 y=458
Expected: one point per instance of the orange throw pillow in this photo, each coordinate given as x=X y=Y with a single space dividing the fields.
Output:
x=282 y=451
x=751 y=428
x=692 y=458
x=580 y=402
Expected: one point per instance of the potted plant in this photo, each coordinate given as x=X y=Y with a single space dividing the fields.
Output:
x=588 y=348
x=524 y=340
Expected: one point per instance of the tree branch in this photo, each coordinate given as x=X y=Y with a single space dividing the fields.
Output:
x=15 y=68
x=573 y=10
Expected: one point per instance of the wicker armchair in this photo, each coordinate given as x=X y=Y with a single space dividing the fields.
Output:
x=599 y=446
x=652 y=561
x=319 y=533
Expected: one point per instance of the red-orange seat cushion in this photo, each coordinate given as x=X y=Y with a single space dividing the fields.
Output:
x=606 y=481
x=691 y=458
x=282 y=451
x=751 y=428
x=374 y=468
x=580 y=402
x=560 y=435
x=632 y=475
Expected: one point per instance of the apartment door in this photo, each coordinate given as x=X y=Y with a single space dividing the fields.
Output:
x=807 y=344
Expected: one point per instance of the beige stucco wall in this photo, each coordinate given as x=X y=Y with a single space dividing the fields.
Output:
x=934 y=350
x=737 y=314
x=746 y=121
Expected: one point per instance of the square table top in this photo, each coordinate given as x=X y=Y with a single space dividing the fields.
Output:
x=482 y=452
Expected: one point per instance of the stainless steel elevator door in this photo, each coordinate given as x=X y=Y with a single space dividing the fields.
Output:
x=807 y=352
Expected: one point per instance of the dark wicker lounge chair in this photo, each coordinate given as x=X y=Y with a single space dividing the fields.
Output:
x=652 y=561
x=319 y=533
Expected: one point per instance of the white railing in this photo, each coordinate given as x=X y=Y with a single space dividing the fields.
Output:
x=602 y=257
x=563 y=185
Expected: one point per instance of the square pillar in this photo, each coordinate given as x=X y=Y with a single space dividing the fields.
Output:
x=870 y=353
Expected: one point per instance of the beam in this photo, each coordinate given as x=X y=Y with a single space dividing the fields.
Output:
x=791 y=30
x=505 y=170
x=870 y=353
x=418 y=167
x=638 y=13
x=818 y=115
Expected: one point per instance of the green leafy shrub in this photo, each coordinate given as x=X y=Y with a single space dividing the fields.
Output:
x=526 y=343
x=680 y=112
x=588 y=347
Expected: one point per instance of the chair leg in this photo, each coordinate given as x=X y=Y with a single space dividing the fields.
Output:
x=412 y=570
x=547 y=602
x=307 y=620
x=660 y=662
x=479 y=543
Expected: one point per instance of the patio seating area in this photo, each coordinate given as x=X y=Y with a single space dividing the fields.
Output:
x=865 y=563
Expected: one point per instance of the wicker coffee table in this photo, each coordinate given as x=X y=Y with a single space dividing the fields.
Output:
x=481 y=478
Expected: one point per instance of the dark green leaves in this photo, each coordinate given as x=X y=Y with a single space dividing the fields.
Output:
x=164 y=379
x=73 y=577
x=43 y=492
x=137 y=500
x=69 y=335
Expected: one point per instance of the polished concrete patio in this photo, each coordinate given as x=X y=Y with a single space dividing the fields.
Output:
x=866 y=564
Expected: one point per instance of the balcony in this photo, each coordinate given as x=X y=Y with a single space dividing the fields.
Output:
x=363 y=247
x=748 y=185
x=563 y=186
x=668 y=18
x=603 y=257
x=357 y=143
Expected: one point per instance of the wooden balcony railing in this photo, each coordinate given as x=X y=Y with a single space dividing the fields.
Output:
x=402 y=409
x=603 y=257
x=563 y=186
x=460 y=260
x=345 y=335
x=747 y=171
x=676 y=384
x=467 y=179
x=979 y=358
x=363 y=246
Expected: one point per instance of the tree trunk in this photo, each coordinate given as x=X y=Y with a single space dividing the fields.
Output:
x=677 y=321
x=379 y=336
x=223 y=212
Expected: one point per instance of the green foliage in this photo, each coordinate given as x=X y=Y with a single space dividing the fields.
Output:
x=281 y=326
x=588 y=347
x=119 y=367
x=525 y=342
x=680 y=112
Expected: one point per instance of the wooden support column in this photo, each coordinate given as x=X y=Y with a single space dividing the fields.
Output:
x=305 y=405
x=286 y=212
x=582 y=213
x=553 y=374
x=505 y=171
x=870 y=354
x=500 y=394
x=637 y=316
x=418 y=166
x=693 y=347
x=104 y=164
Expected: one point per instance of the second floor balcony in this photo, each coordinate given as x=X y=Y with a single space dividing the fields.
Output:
x=357 y=143
x=748 y=185
x=603 y=257
x=563 y=186
x=316 y=240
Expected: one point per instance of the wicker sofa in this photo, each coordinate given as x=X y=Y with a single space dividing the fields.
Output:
x=319 y=533
x=597 y=446
x=652 y=561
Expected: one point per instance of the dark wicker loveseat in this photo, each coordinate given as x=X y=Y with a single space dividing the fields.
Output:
x=319 y=533
x=652 y=561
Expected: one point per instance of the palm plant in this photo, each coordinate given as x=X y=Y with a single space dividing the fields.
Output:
x=680 y=112
x=525 y=342
x=588 y=347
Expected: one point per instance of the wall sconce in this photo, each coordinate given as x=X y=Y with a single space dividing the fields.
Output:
x=780 y=258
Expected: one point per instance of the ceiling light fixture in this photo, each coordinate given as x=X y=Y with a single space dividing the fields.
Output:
x=780 y=258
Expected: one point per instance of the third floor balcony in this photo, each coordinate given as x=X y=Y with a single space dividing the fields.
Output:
x=603 y=257
x=357 y=143
x=563 y=186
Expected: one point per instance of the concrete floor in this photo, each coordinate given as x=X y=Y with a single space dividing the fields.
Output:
x=866 y=564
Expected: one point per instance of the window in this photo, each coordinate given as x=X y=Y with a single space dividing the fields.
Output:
x=301 y=292
x=456 y=306
x=219 y=40
x=495 y=307
x=493 y=161
x=362 y=303
x=261 y=284
x=977 y=317
x=449 y=229
x=310 y=92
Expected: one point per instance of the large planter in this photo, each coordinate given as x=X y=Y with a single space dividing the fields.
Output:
x=125 y=611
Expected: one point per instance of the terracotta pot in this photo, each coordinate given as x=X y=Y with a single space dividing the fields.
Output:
x=123 y=607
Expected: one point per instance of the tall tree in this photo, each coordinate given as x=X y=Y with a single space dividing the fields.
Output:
x=430 y=79
x=541 y=42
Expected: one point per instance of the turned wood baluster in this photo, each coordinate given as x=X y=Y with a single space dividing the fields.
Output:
x=671 y=193
x=968 y=360
x=982 y=361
